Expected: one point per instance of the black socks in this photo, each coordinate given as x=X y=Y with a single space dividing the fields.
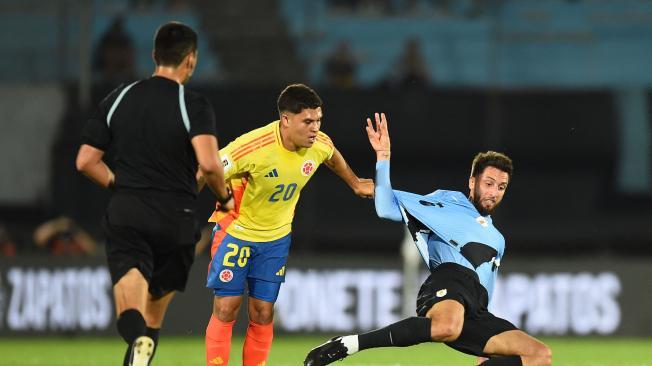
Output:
x=406 y=332
x=131 y=325
x=503 y=361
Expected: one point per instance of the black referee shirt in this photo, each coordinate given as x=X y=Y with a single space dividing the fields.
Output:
x=148 y=125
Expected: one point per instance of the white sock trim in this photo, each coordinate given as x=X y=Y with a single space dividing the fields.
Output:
x=351 y=344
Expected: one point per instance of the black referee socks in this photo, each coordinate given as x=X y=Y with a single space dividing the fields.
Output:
x=503 y=361
x=406 y=332
x=131 y=325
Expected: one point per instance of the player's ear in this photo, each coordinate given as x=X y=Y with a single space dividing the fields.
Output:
x=285 y=120
x=471 y=183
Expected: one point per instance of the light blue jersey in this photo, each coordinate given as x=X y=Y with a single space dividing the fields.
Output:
x=445 y=226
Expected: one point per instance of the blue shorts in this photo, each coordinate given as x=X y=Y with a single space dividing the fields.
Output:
x=261 y=265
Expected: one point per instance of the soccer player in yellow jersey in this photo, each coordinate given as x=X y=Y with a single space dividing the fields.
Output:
x=267 y=168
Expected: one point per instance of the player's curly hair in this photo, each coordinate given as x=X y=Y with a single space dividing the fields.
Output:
x=494 y=159
x=173 y=42
x=297 y=97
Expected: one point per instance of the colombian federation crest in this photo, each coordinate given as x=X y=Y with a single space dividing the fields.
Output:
x=226 y=275
x=308 y=167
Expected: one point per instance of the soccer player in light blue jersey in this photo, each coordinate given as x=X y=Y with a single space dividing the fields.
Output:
x=455 y=235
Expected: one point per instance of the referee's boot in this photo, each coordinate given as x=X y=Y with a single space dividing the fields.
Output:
x=142 y=351
x=326 y=353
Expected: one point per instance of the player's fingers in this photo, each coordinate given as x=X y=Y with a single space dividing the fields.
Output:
x=370 y=134
x=371 y=131
x=384 y=120
x=370 y=123
x=377 y=116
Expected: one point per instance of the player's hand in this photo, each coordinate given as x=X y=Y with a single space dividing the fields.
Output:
x=364 y=188
x=226 y=207
x=378 y=134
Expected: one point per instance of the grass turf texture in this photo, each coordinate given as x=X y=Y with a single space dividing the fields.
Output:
x=291 y=350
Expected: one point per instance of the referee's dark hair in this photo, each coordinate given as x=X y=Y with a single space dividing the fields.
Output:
x=494 y=159
x=297 y=97
x=172 y=43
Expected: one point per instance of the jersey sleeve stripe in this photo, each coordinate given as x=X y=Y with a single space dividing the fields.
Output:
x=117 y=101
x=251 y=149
x=251 y=143
x=323 y=135
x=182 y=106
x=324 y=141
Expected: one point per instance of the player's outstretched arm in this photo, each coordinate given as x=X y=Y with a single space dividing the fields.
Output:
x=386 y=205
x=362 y=187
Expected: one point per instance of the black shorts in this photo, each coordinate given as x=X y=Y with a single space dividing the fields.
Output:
x=155 y=234
x=451 y=281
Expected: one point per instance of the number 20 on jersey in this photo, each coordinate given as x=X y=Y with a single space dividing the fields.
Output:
x=283 y=192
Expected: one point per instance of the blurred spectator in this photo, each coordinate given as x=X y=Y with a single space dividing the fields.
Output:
x=410 y=69
x=62 y=236
x=340 y=67
x=7 y=245
x=114 y=56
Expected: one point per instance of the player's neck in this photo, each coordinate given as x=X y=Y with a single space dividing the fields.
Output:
x=285 y=140
x=172 y=73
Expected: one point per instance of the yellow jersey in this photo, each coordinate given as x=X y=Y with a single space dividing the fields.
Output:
x=267 y=179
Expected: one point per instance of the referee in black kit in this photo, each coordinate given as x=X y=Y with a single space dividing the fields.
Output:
x=160 y=133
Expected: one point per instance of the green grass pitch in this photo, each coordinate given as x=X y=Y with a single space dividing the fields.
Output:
x=291 y=350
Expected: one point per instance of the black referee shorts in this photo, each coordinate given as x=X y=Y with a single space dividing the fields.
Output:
x=451 y=281
x=155 y=234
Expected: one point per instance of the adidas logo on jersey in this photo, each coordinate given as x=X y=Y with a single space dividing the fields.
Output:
x=272 y=174
x=281 y=271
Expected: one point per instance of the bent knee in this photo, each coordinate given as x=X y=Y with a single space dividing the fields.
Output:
x=445 y=331
x=544 y=354
x=226 y=312
x=541 y=355
x=262 y=316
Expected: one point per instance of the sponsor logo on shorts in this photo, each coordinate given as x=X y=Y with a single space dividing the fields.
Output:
x=308 y=167
x=482 y=221
x=441 y=293
x=226 y=275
